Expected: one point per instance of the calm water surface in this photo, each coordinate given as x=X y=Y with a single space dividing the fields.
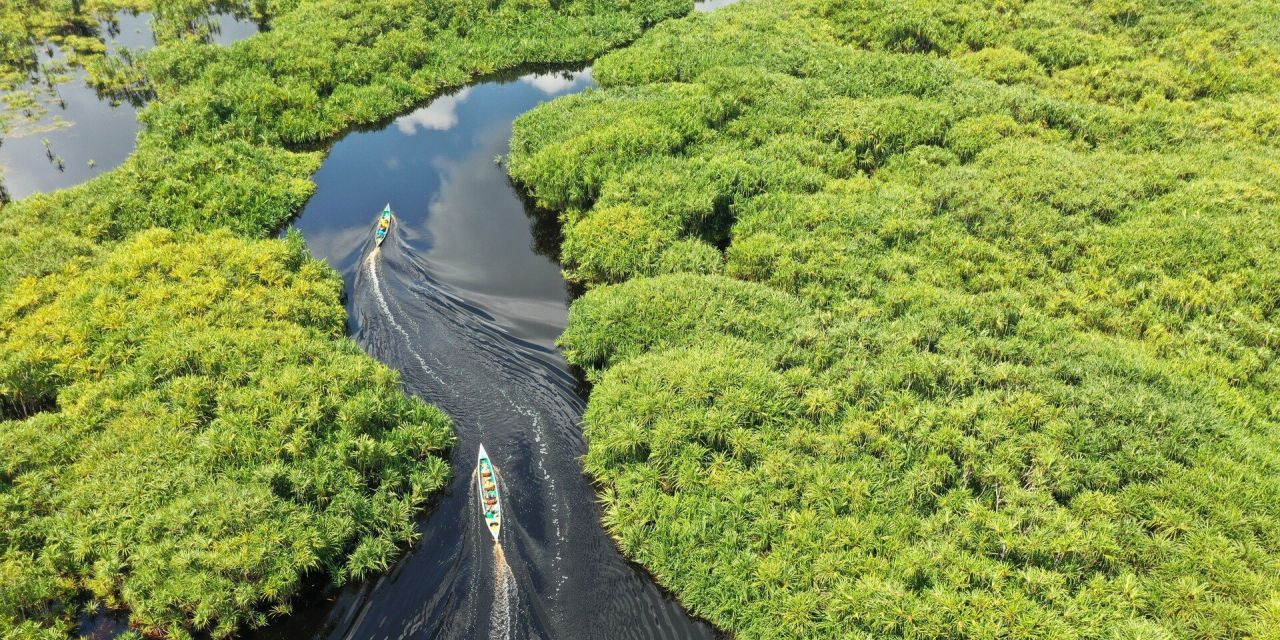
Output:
x=94 y=127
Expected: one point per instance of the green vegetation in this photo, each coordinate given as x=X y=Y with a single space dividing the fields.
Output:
x=76 y=34
x=186 y=432
x=222 y=142
x=934 y=319
x=194 y=438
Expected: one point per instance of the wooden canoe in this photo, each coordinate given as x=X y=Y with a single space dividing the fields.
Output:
x=490 y=501
x=384 y=225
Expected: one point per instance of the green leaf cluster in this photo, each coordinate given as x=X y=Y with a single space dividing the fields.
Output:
x=186 y=431
x=986 y=346
x=186 y=438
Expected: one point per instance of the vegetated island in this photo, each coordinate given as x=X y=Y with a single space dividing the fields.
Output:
x=185 y=432
x=934 y=319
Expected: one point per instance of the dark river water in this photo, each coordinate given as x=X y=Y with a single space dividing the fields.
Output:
x=465 y=299
x=82 y=126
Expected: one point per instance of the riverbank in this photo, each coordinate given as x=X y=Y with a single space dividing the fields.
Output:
x=932 y=321
x=228 y=150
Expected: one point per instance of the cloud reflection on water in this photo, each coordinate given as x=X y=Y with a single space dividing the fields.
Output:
x=553 y=83
x=440 y=115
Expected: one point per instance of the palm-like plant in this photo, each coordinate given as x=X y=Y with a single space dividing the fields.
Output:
x=971 y=361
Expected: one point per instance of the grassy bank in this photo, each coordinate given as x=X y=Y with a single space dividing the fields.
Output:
x=186 y=431
x=934 y=320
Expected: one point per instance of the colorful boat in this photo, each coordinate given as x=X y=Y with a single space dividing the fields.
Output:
x=384 y=225
x=490 y=503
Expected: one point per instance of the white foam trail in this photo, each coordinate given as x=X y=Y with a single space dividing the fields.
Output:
x=504 y=593
x=372 y=264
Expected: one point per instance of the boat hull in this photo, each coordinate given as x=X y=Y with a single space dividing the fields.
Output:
x=490 y=500
x=384 y=226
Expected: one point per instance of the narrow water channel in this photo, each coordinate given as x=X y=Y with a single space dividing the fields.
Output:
x=465 y=299
x=83 y=132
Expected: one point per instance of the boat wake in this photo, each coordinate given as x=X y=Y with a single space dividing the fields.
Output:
x=375 y=285
x=505 y=592
x=464 y=301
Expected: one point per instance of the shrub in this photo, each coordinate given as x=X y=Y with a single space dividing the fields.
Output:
x=187 y=438
x=615 y=323
x=994 y=354
x=1002 y=64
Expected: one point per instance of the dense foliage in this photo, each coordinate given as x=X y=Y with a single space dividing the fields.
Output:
x=934 y=319
x=190 y=438
x=185 y=430
x=225 y=142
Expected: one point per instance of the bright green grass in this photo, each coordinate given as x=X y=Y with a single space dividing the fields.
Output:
x=990 y=350
x=75 y=28
x=192 y=438
x=185 y=431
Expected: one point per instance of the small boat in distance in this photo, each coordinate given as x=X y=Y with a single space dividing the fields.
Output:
x=384 y=225
x=489 y=500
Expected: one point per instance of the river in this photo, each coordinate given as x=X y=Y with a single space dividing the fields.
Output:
x=465 y=298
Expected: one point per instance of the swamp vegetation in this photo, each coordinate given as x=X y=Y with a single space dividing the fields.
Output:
x=194 y=469
x=80 y=30
x=198 y=437
x=228 y=141
x=934 y=319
